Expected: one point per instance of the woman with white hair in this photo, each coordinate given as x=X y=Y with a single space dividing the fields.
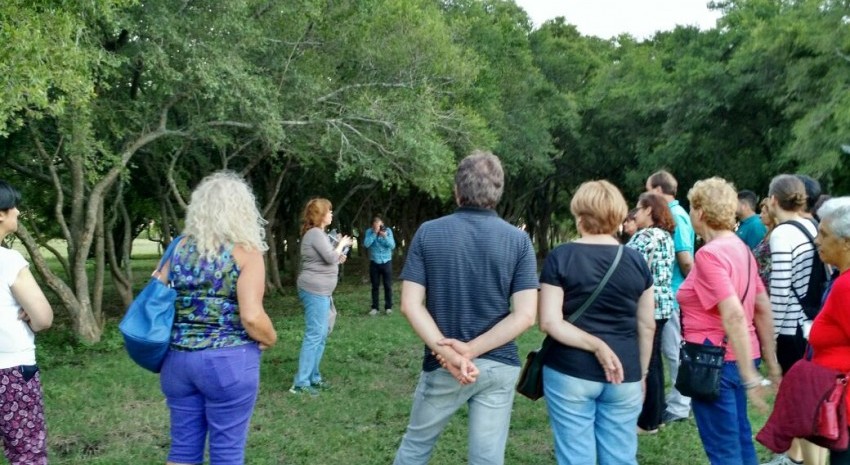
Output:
x=830 y=335
x=211 y=374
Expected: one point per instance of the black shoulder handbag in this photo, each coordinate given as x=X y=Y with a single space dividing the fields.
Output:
x=530 y=382
x=701 y=365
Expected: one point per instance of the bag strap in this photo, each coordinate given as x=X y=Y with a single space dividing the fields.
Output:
x=811 y=239
x=166 y=257
x=548 y=341
x=587 y=303
x=803 y=229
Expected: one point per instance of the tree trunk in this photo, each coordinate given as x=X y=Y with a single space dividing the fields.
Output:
x=99 y=269
x=84 y=323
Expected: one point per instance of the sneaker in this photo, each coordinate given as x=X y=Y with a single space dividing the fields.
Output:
x=389 y=311
x=667 y=418
x=781 y=459
x=321 y=385
x=300 y=390
x=642 y=432
x=373 y=312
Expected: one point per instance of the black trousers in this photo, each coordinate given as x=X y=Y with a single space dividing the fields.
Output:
x=790 y=349
x=378 y=272
x=653 y=403
x=839 y=458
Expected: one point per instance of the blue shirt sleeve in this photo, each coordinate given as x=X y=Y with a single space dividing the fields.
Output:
x=525 y=276
x=414 y=265
x=369 y=239
x=683 y=236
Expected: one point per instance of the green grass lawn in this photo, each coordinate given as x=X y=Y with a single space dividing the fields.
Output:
x=103 y=409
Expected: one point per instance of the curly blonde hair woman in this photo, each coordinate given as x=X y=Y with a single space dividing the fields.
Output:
x=211 y=374
x=722 y=299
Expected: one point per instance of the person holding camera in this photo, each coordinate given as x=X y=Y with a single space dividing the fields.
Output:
x=380 y=243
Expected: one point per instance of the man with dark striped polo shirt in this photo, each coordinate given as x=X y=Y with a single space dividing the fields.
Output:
x=477 y=274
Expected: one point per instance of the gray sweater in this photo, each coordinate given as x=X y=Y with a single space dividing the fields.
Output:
x=319 y=263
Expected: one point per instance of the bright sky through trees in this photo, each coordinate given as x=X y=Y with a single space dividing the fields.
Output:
x=608 y=18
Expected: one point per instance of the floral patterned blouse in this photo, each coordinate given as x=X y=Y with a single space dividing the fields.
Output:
x=762 y=254
x=207 y=311
x=656 y=247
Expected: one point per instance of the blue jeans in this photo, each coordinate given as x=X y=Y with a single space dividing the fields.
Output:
x=438 y=396
x=592 y=421
x=317 y=310
x=723 y=424
x=211 y=392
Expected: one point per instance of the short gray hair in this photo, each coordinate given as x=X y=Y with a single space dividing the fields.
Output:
x=480 y=180
x=836 y=212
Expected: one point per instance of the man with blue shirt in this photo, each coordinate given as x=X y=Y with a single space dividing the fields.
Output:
x=380 y=243
x=664 y=184
x=750 y=228
x=478 y=276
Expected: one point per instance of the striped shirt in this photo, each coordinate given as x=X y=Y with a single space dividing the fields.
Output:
x=470 y=262
x=791 y=256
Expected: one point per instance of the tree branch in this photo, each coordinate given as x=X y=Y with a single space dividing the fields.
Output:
x=389 y=85
x=66 y=296
x=57 y=184
x=173 y=184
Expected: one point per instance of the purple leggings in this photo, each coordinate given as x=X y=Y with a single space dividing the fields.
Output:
x=211 y=392
x=22 y=418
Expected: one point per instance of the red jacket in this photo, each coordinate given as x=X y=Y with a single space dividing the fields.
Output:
x=795 y=410
x=830 y=336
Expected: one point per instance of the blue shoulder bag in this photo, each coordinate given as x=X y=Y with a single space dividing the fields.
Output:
x=146 y=326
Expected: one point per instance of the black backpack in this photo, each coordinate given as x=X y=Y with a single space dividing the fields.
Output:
x=818 y=279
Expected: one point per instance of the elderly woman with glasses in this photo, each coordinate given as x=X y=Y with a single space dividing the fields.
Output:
x=830 y=335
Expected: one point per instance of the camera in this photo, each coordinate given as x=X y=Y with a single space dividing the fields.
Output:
x=334 y=236
x=383 y=227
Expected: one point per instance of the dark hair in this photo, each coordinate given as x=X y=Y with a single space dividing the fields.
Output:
x=819 y=203
x=480 y=180
x=665 y=181
x=9 y=196
x=661 y=215
x=631 y=215
x=377 y=218
x=789 y=191
x=749 y=197
x=813 y=191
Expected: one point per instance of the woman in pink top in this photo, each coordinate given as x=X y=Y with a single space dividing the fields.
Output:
x=722 y=299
